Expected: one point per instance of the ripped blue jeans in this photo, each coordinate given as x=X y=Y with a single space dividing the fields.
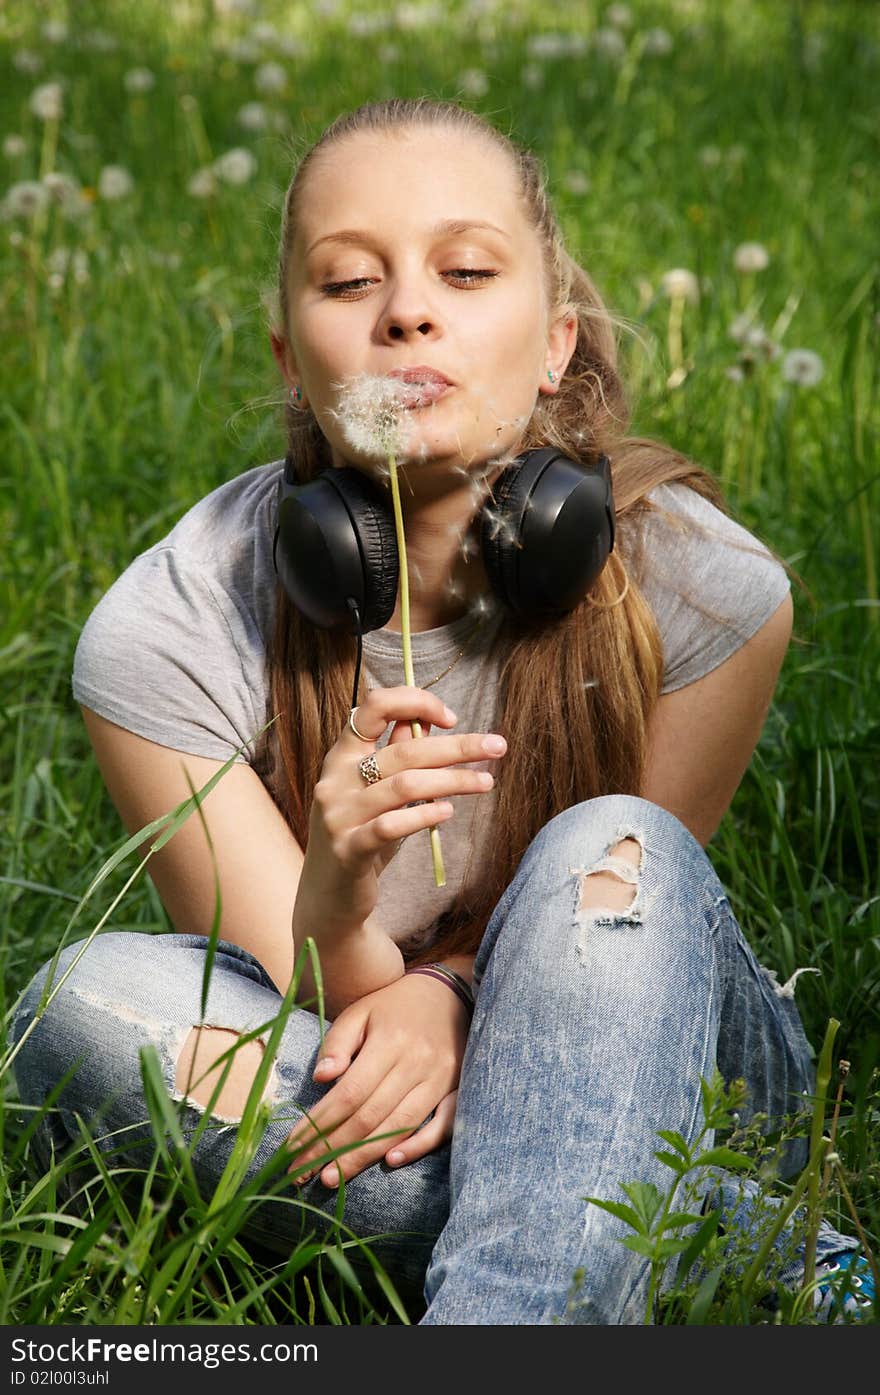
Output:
x=592 y=1030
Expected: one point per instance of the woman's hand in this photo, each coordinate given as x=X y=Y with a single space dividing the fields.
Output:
x=407 y=1041
x=355 y=828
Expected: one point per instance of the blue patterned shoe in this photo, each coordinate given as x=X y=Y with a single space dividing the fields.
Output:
x=846 y=1286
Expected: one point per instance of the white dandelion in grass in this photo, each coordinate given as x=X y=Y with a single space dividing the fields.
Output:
x=14 y=146
x=610 y=43
x=64 y=191
x=25 y=199
x=202 y=184
x=55 y=31
x=235 y=167
x=657 y=42
x=803 y=367
x=619 y=15
x=24 y=60
x=270 y=78
x=47 y=101
x=680 y=284
x=138 y=80
x=253 y=116
x=474 y=82
x=750 y=257
x=115 y=183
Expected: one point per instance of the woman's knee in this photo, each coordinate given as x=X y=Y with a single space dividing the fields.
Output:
x=53 y=1026
x=616 y=874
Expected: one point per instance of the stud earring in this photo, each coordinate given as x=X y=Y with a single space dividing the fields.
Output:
x=551 y=375
x=296 y=394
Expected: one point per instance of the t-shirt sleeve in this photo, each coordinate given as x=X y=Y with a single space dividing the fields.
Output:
x=160 y=656
x=710 y=583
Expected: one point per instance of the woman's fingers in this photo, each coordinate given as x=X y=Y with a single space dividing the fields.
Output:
x=399 y=1125
x=437 y=1130
x=337 y=1125
x=384 y=705
x=437 y=752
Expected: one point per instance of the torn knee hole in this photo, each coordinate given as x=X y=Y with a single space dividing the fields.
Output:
x=200 y=1069
x=613 y=882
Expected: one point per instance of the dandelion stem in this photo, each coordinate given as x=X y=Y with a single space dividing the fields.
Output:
x=408 y=672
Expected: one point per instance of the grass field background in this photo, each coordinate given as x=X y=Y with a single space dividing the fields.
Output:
x=145 y=152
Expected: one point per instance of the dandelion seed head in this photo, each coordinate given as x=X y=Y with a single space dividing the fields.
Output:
x=26 y=61
x=47 y=101
x=25 y=199
x=270 y=77
x=610 y=43
x=371 y=412
x=14 y=146
x=235 y=167
x=657 y=42
x=751 y=256
x=680 y=284
x=803 y=367
x=474 y=82
x=55 y=31
x=115 y=183
x=139 y=80
x=202 y=184
x=619 y=15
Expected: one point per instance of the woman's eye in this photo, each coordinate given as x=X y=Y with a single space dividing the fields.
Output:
x=469 y=273
x=347 y=289
x=341 y=288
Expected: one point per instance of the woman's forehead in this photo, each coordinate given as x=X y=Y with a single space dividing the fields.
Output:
x=408 y=173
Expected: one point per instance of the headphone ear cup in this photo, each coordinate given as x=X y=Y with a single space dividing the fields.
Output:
x=497 y=522
x=549 y=534
x=336 y=542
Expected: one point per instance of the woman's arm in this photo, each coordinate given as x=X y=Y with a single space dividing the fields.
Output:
x=702 y=737
x=258 y=860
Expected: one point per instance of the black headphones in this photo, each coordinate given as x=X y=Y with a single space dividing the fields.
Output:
x=545 y=538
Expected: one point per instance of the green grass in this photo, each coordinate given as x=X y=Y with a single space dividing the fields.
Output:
x=131 y=392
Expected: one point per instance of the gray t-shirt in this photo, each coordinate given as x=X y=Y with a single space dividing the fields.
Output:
x=175 y=650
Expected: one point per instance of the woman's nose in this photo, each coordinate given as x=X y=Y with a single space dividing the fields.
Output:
x=407 y=314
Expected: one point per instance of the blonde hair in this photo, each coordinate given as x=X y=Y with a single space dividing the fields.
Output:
x=575 y=695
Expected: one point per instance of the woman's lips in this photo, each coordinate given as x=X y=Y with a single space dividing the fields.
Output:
x=422 y=386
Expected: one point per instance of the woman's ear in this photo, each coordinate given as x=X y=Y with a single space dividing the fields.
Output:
x=561 y=342
x=283 y=356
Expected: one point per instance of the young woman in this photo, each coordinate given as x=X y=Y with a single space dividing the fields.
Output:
x=576 y=754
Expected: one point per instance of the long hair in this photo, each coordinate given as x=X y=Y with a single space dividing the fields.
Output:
x=575 y=695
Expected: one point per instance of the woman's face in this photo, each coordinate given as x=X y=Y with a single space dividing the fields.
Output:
x=412 y=251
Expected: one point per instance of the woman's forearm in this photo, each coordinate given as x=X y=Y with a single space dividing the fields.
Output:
x=354 y=960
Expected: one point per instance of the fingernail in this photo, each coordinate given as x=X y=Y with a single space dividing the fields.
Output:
x=495 y=745
x=324 y=1062
x=449 y=714
x=330 y=1177
x=395 y=1157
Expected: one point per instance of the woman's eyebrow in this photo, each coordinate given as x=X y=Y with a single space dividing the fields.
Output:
x=447 y=227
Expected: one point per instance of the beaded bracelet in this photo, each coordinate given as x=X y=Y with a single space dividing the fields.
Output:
x=460 y=986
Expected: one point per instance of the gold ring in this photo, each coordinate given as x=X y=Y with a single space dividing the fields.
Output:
x=369 y=769
x=359 y=734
